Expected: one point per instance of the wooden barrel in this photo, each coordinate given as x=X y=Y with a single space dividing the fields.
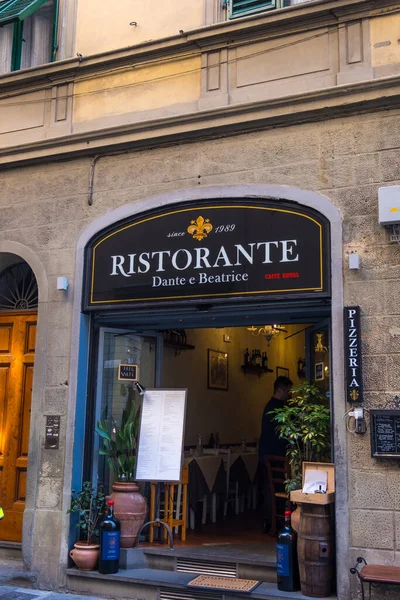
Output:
x=315 y=551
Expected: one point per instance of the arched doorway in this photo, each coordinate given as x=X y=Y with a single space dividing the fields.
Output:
x=81 y=327
x=18 y=320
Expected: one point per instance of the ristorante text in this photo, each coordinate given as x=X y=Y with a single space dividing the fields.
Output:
x=202 y=259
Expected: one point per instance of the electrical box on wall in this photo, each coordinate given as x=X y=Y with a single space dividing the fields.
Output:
x=389 y=205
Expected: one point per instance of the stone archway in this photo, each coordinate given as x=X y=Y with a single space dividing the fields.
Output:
x=12 y=253
x=304 y=197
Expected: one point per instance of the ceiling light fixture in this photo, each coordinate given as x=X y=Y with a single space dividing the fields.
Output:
x=268 y=331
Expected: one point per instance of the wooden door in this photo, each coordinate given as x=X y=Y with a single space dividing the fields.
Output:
x=17 y=352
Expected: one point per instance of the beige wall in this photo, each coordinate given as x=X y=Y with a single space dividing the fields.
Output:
x=138 y=89
x=235 y=413
x=385 y=46
x=104 y=26
x=161 y=82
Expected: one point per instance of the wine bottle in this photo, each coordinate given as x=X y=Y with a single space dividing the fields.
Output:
x=110 y=532
x=287 y=567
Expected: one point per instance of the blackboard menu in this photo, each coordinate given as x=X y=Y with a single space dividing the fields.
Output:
x=385 y=433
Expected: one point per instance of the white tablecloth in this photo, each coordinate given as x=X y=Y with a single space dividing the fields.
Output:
x=209 y=466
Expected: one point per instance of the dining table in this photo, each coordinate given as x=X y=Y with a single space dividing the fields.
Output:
x=207 y=475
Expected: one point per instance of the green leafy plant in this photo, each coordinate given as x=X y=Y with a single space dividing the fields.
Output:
x=305 y=423
x=89 y=505
x=120 y=442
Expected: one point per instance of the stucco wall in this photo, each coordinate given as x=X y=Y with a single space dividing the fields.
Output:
x=45 y=208
x=106 y=26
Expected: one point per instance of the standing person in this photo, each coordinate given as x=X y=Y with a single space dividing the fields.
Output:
x=270 y=443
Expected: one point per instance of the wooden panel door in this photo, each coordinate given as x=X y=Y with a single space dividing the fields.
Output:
x=17 y=351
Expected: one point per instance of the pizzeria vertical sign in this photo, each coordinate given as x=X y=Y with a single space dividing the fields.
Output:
x=353 y=355
x=219 y=250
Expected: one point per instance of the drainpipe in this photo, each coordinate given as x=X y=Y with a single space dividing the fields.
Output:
x=92 y=169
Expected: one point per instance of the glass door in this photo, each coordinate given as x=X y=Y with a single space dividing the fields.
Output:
x=121 y=346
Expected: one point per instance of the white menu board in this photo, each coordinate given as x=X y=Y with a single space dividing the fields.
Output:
x=159 y=456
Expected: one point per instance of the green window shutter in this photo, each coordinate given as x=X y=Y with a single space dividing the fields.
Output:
x=18 y=10
x=17 y=46
x=241 y=8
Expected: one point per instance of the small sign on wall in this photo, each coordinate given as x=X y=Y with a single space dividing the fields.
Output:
x=128 y=372
x=353 y=355
x=385 y=433
x=52 y=438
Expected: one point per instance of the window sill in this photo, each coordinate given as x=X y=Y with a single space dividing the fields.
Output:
x=282 y=5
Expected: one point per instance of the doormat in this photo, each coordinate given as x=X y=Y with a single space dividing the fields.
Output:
x=230 y=584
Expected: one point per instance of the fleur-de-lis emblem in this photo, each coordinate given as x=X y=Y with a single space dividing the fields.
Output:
x=354 y=395
x=200 y=228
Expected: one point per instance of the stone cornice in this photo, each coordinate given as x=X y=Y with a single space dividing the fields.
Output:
x=338 y=101
x=301 y=17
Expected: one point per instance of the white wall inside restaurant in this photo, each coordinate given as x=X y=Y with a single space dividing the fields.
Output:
x=235 y=413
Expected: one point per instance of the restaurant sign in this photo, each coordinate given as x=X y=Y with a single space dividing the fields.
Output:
x=214 y=250
x=353 y=356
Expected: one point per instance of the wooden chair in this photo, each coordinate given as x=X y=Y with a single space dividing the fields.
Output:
x=232 y=487
x=174 y=505
x=278 y=469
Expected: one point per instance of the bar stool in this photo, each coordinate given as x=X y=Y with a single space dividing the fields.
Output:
x=174 y=505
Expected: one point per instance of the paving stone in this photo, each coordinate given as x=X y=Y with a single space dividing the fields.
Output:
x=18 y=596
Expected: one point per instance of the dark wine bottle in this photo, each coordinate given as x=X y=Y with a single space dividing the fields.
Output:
x=287 y=567
x=110 y=532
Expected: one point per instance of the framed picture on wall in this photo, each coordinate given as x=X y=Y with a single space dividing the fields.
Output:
x=282 y=372
x=319 y=371
x=217 y=370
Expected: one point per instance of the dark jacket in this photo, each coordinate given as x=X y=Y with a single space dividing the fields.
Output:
x=270 y=443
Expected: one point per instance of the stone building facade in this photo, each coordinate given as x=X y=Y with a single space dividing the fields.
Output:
x=300 y=103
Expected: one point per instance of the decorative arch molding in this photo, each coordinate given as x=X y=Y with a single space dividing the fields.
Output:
x=33 y=261
x=307 y=198
x=26 y=254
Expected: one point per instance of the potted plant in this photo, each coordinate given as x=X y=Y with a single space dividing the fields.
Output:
x=88 y=504
x=305 y=423
x=120 y=446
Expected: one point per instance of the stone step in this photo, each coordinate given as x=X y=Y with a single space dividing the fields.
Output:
x=157 y=584
x=247 y=562
x=13 y=572
x=11 y=550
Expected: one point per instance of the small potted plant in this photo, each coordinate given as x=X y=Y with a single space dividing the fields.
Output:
x=120 y=446
x=305 y=423
x=89 y=505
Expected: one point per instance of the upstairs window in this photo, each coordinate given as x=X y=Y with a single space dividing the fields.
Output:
x=241 y=8
x=27 y=33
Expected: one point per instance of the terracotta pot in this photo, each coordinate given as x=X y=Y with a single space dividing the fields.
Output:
x=85 y=556
x=130 y=508
x=295 y=518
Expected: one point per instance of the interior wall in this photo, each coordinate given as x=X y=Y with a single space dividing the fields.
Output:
x=237 y=412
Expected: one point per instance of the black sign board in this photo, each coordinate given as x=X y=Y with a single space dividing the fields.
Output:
x=385 y=433
x=353 y=355
x=128 y=372
x=52 y=437
x=214 y=250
